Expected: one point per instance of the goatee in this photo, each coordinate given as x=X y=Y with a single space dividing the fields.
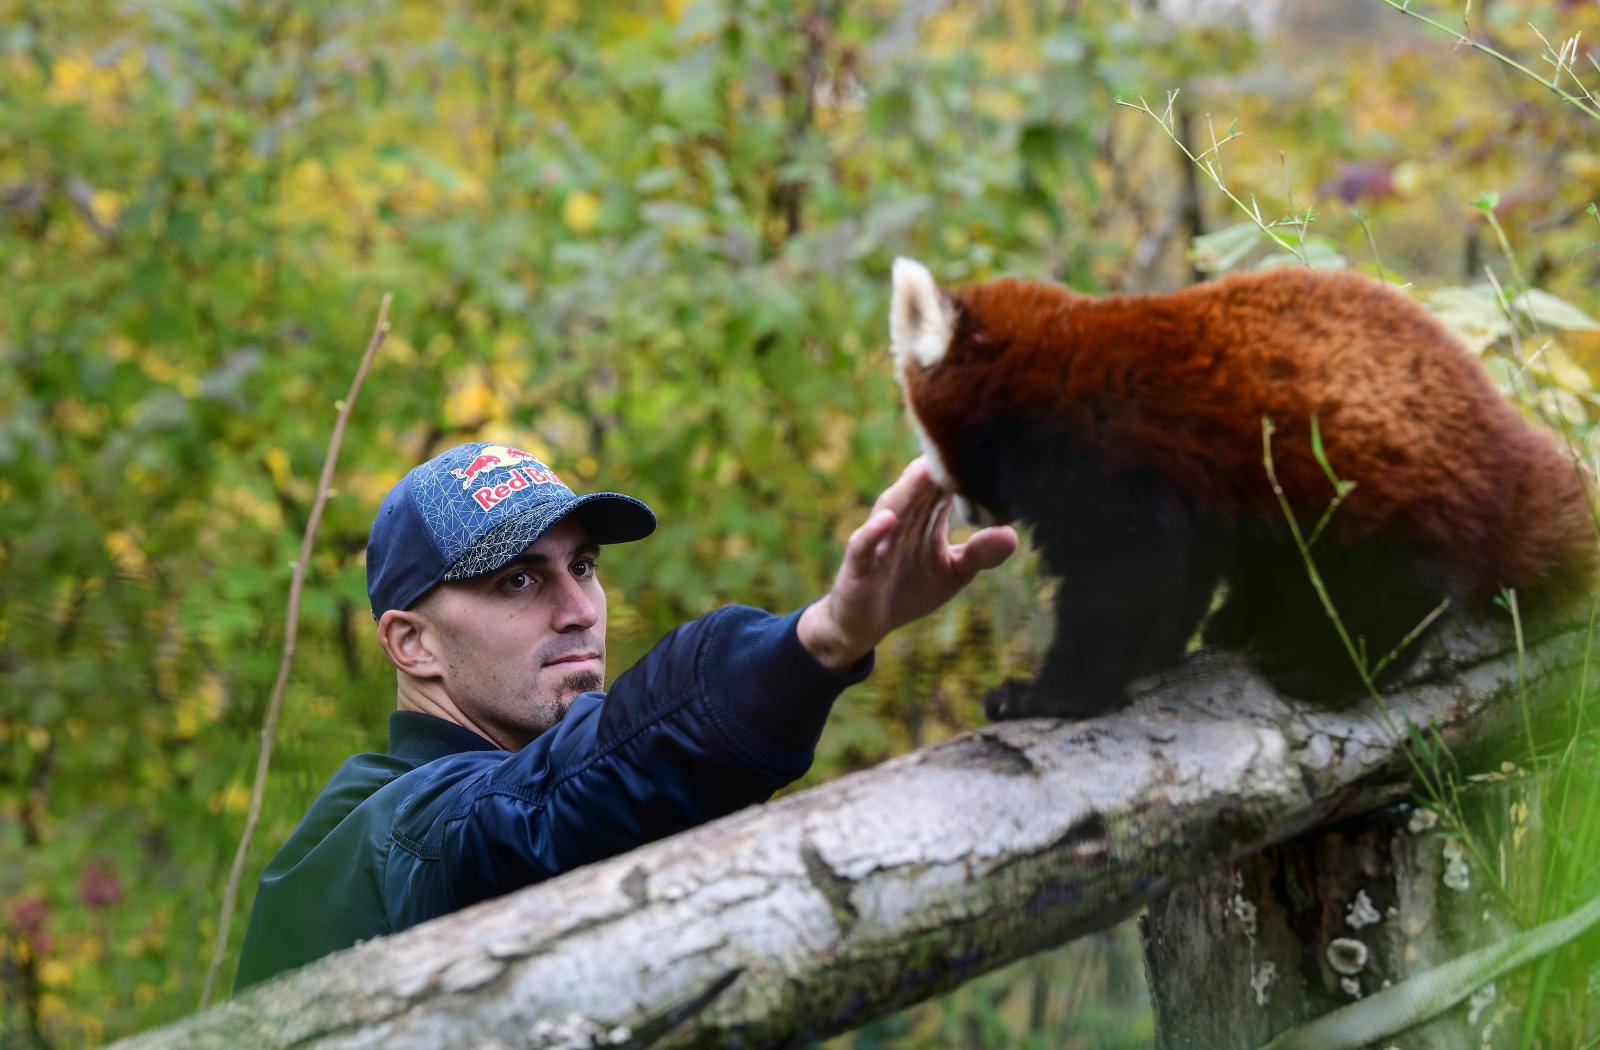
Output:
x=582 y=682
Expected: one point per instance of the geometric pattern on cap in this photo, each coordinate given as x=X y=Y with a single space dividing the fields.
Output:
x=509 y=538
x=456 y=522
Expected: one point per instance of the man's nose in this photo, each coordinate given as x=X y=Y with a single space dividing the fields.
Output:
x=575 y=609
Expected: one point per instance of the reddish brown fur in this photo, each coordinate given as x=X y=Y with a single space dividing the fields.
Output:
x=1178 y=384
x=1128 y=432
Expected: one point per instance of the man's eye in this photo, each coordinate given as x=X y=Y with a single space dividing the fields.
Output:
x=517 y=581
x=585 y=569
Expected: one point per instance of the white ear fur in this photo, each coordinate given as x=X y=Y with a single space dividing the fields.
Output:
x=921 y=321
x=970 y=513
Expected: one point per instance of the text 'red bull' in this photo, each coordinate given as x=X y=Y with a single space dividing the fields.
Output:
x=519 y=479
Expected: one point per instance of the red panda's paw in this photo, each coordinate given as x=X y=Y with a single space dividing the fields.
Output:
x=1023 y=698
x=1009 y=699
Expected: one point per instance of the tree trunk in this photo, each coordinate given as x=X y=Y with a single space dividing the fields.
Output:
x=1276 y=939
x=807 y=917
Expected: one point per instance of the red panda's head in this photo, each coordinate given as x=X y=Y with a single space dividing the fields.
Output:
x=941 y=360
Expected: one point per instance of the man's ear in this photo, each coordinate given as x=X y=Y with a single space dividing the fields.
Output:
x=407 y=636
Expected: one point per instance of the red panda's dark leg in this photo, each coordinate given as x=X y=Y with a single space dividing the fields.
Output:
x=1136 y=575
x=1253 y=599
x=1380 y=592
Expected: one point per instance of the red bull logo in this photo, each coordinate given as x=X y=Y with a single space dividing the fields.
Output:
x=489 y=457
x=525 y=471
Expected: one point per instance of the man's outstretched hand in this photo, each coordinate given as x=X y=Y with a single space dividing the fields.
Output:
x=898 y=566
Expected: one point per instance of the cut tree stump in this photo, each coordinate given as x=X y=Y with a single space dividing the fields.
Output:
x=1283 y=936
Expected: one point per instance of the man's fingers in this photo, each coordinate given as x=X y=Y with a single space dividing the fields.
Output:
x=939 y=523
x=861 y=551
x=984 y=549
x=913 y=481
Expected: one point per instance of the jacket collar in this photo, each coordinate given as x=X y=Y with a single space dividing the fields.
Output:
x=420 y=738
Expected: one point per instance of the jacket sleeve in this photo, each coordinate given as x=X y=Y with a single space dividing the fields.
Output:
x=719 y=715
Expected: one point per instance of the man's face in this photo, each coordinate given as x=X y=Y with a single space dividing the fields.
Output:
x=516 y=646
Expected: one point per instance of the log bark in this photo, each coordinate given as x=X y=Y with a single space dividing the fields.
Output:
x=793 y=921
x=1298 y=930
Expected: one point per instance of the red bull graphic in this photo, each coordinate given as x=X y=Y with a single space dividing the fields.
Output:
x=525 y=470
x=489 y=457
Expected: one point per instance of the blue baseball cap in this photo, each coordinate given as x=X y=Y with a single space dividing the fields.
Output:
x=470 y=511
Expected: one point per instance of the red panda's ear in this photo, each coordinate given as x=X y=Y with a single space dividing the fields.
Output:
x=921 y=320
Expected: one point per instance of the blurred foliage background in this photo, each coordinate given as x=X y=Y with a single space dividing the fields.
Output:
x=651 y=243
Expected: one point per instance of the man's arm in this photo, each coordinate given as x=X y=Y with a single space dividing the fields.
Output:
x=898 y=567
x=720 y=714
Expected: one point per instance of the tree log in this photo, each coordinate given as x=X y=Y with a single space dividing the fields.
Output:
x=1298 y=930
x=807 y=917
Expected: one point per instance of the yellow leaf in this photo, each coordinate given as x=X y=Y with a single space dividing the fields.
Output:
x=53 y=1009
x=579 y=211
x=67 y=79
x=128 y=555
x=53 y=973
x=1583 y=166
x=1408 y=177
x=107 y=206
x=474 y=401
x=1560 y=406
x=1566 y=372
x=278 y=463
x=232 y=799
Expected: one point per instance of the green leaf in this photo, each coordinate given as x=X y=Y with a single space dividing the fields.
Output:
x=1545 y=308
x=1340 y=486
x=1473 y=313
x=689 y=91
x=1504 y=372
x=1221 y=250
x=1320 y=254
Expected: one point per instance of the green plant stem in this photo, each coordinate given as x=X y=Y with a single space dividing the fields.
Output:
x=1412 y=635
x=1589 y=110
x=1252 y=210
x=1511 y=259
x=1434 y=788
x=1361 y=217
x=1522 y=684
x=1536 y=994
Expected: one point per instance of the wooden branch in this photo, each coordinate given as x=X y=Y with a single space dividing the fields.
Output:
x=810 y=916
x=291 y=628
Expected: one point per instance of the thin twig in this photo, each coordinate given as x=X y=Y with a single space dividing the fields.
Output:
x=1436 y=785
x=291 y=627
x=1361 y=217
x=1206 y=161
x=1404 y=7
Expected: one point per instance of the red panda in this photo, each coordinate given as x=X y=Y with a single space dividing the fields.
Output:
x=1127 y=432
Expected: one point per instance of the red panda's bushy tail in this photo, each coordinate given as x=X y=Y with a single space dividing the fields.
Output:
x=1552 y=551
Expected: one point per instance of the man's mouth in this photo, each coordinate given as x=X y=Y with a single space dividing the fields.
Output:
x=573 y=659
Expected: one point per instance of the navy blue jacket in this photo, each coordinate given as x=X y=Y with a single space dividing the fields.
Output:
x=719 y=715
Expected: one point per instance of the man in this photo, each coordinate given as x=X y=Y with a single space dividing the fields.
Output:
x=506 y=764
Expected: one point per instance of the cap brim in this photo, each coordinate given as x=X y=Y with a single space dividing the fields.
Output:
x=611 y=517
x=608 y=517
